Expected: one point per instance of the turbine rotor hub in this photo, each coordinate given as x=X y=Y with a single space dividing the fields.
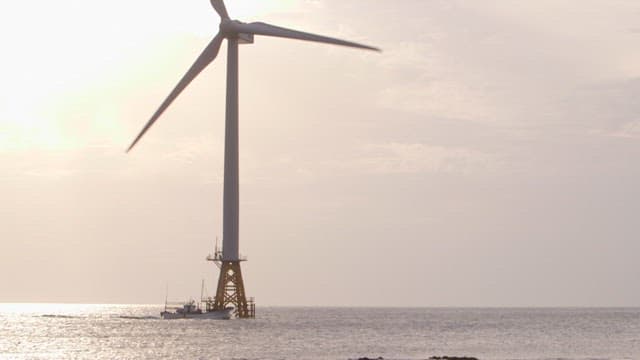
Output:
x=229 y=27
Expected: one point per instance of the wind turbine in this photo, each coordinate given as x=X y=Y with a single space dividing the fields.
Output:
x=230 y=289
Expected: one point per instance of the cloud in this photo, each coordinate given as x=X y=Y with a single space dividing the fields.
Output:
x=191 y=149
x=439 y=98
x=514 y=66
x=630 y=130
x=607 y=108
x=422 y=158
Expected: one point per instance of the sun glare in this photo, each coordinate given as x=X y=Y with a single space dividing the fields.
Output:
x=22 y=127
x=37 y=106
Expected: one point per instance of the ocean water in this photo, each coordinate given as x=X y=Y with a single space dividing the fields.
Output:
x=52 y=331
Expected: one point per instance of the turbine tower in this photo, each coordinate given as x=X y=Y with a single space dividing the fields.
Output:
x=230 y=290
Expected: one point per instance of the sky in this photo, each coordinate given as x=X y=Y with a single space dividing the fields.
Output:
x=487 y=157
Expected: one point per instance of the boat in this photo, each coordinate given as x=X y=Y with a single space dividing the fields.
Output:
x=192 y=310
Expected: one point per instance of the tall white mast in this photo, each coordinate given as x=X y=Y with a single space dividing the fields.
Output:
x=231 y=197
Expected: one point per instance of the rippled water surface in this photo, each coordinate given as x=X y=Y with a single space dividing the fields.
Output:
x=50 y=331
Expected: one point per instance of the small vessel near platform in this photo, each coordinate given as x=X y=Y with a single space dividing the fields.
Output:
x=192 y=310
x=213 y=308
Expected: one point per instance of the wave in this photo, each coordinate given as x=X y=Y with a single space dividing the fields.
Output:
x=137 y=317
x=57 y=316
x=54 y=316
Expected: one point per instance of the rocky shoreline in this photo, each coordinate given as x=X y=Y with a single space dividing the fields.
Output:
x=431 y=358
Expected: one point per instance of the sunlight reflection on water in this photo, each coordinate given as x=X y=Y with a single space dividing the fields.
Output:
x=61 y=331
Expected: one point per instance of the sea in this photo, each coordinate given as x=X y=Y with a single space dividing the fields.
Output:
x=66 y=331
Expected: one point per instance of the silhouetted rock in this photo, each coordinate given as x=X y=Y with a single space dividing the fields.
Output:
x=366 y=358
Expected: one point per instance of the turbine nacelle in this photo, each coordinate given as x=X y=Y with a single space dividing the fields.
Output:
x=229 y=27
x=232 y=29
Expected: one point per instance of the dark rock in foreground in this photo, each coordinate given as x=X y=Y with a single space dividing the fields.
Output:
x=431 y=358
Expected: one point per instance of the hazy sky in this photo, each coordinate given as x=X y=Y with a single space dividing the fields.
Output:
x=488 y=157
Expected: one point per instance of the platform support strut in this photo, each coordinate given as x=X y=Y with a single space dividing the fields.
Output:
x=230 y=291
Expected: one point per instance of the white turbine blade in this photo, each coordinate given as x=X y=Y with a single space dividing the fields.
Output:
x=260 y=28
x=221 y=9
x=207 y=56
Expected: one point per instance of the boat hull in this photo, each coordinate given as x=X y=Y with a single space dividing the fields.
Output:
x=211 y=315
